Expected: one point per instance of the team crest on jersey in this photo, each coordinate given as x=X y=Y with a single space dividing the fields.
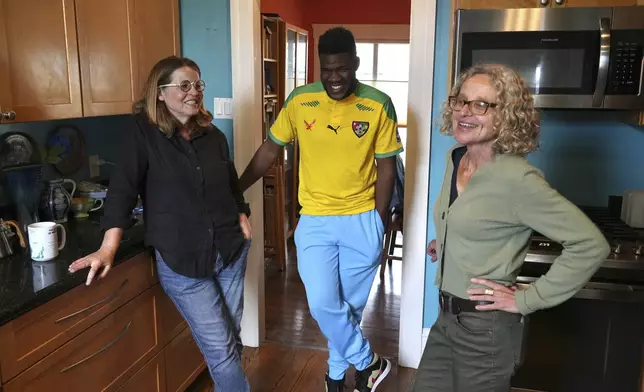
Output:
x=309 y=125
x=360 y=128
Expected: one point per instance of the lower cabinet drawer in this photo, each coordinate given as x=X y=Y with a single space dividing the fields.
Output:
x=103 y=357
x=151 y=378
x=183 y=361
x=36 y=334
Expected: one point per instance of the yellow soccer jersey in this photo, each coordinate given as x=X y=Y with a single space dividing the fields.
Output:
x=339 y=141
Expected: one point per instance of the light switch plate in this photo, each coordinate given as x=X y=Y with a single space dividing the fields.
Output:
x=223 y=108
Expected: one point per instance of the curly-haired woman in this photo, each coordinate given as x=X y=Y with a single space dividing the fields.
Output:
x=489 y=204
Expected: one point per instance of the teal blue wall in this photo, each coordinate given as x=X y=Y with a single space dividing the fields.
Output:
x=585 y=155
x=205 y=38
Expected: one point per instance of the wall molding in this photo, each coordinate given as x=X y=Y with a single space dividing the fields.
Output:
x=245 y=33
x=421 y=82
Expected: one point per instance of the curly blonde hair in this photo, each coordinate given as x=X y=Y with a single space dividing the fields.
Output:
x=516 y=123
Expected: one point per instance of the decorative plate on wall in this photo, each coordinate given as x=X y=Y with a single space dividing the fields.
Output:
x=17 y=149
x=66 y=150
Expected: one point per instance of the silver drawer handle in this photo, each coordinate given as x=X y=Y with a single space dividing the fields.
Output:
x=101 y=302
x=110 y=344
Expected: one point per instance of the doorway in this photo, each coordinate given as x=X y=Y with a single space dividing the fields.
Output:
x=247 y=75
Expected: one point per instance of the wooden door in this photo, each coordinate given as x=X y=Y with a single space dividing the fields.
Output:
x=500 y=4
x=39 y=59
x=119 y=42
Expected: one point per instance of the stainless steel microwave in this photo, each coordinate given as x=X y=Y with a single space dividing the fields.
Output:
x=569 y=57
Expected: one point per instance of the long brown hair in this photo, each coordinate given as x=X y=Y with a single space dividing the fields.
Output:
x=156 y=110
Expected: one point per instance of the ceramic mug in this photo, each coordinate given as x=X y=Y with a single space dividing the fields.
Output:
x=43 y=240
x=82 y=206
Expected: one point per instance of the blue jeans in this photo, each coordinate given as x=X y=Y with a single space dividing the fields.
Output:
x=213 y=308
x=337 y=258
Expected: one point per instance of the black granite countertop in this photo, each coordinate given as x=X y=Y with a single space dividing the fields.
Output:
x=26 y=284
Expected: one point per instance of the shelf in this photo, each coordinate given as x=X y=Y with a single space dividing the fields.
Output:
x=270 y=60
x=270 y=95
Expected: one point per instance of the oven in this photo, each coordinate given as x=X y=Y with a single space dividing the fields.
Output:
x=595 y=340
x=569 y=57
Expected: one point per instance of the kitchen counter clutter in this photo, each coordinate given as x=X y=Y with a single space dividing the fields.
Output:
x=26 y=284
x=118 y=334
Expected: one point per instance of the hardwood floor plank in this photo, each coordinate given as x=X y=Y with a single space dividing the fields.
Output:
x=294 y=356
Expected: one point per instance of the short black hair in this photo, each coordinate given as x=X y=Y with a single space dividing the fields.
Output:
x=337 y=40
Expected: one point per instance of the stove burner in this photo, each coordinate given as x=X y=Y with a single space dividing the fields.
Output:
x=621 y=237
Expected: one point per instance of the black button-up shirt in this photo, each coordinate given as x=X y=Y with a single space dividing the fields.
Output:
x=190 y=192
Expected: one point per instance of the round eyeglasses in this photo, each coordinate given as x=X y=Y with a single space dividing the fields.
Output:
x=186 y=85
x=476 y=106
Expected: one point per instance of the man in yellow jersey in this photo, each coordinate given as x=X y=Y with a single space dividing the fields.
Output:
x=347 y=133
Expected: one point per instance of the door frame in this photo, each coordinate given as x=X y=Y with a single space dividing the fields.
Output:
x=416 y=203
x=245 y=33
x=246 y=55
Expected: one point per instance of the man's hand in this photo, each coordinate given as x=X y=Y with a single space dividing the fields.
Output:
x=502 y=297
x=431 y=250
x=244 y=224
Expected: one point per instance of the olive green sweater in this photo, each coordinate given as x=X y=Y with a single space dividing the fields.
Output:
x=486 y=233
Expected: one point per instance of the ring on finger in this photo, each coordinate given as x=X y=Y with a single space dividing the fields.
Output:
x=489 y=292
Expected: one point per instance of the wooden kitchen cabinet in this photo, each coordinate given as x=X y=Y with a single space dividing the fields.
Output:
x=130 y=338
x=151 y=378
x=184 y=359
x=36 y=334
x=119 y=42
x=39 y=70
x=51 y=51
x=101 y=358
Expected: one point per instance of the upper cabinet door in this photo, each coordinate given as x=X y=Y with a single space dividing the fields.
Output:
x=108 y=69
x=155 y=34
x=500 y=4
x=39 y=74
x=119 y=42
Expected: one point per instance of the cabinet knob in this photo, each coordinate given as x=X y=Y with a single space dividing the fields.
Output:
x=544 y=2
x=8 y=115
x=560 y=2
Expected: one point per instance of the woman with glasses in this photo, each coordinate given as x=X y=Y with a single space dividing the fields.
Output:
x=490 y=202
x=195 y=215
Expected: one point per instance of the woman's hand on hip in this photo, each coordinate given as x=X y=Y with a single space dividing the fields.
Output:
x=244 y=224
x=431 y=250
x=502 y=297
x=101 y=259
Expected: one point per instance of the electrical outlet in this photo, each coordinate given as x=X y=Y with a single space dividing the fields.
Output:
x=94 y=166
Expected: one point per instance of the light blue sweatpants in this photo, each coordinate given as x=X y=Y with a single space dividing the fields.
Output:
x=337 y=258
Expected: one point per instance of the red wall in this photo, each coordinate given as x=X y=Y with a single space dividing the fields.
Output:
x=358 y=11
x=292 y=11
x=304 y=13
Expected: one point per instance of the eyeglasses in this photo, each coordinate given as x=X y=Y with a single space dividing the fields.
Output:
x=186 y=85
x=477 y=107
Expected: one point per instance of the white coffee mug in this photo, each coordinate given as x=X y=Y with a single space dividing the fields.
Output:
x=43 y=240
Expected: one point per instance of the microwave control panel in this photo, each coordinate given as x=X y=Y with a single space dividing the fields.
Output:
x=626 y=67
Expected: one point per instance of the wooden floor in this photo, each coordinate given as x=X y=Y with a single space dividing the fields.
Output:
x=293 y=357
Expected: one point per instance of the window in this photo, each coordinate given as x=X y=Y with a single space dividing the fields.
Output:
x=385 y=66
